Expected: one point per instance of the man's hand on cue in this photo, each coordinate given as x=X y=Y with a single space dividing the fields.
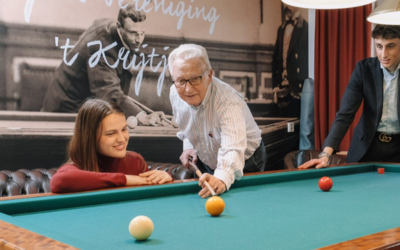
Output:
x=188 y=155
x=216 y=184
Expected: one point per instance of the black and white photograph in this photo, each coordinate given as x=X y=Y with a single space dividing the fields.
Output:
x=55 y=55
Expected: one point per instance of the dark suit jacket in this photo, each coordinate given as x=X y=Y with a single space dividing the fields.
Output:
x=297 y=58
x=366 y=83
x=75 y=83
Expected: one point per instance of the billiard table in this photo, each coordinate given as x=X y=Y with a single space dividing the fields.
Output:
x=272 y=210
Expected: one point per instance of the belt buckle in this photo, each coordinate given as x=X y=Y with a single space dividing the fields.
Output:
x=385 y=137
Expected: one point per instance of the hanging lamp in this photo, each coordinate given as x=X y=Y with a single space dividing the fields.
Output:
x=387 y=12
x=327 y=4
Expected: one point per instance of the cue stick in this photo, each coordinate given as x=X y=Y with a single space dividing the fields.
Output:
x=199 y=174
x=149 y=111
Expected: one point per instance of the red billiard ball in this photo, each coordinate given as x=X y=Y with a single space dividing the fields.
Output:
x=325 y=184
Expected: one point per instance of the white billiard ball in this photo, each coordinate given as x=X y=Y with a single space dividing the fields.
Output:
x=141 y=227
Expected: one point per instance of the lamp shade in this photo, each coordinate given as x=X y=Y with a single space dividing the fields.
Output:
x=387 y=12
x=327 y=4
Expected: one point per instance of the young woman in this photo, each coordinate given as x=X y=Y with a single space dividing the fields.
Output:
x=97 y=153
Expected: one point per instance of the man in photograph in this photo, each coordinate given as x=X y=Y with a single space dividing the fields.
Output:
x=73 y=84
x=290 y=62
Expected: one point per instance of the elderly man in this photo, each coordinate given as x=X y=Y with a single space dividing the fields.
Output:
x=219 y=133
x=376 y=82
x=73 y=84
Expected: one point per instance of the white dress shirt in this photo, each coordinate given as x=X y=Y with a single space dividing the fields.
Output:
x=221 y=129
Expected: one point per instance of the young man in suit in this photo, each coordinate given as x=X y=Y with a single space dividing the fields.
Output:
x=376 y=82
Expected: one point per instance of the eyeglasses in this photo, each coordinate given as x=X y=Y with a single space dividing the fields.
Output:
x=195 y=80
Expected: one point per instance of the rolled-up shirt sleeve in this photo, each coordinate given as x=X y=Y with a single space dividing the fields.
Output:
x=233 y=144
x=186 y=142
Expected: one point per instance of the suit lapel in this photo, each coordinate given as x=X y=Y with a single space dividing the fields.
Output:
x=378 y=79
x=279 y=43
x=295 y=35
x=398 y=99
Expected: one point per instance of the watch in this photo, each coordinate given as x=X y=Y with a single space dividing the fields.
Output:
x=322 y=154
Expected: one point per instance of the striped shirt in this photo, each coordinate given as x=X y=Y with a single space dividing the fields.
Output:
x=221 y=129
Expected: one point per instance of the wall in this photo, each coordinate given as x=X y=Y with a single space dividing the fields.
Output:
x=240 y=43
x=238 y=23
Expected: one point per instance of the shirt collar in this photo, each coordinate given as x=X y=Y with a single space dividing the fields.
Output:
x=294 y=18
x=393 y=74
x=122 y=40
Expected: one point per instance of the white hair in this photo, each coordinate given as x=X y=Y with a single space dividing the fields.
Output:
x=188 y=51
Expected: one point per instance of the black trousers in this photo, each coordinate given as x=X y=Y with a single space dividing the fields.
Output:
x=256 y=163
x=383 y=151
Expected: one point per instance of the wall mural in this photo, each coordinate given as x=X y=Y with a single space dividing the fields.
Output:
x=54 y=54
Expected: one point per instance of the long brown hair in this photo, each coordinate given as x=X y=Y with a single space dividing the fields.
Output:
x=82 y=146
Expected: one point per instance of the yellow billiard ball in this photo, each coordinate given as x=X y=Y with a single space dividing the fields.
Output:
x=215 y=205
x=141 y=227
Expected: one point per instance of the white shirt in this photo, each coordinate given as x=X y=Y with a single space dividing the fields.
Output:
x=390 y=122
x=221 y=129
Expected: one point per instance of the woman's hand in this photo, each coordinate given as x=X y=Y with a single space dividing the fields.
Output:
x=156 y=176
x=134 y=180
